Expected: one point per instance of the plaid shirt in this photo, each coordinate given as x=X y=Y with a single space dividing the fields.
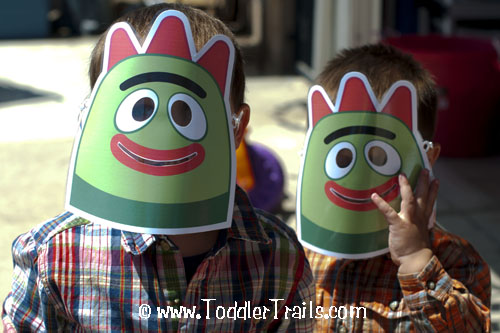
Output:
x=73 y=275
x=451 y=294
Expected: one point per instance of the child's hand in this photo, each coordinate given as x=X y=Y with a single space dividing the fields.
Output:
x=409 y=242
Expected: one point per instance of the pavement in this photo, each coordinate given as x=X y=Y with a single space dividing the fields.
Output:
x=43 y=82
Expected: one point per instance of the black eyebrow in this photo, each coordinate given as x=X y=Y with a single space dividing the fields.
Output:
x=164 y=77
x=359 y=130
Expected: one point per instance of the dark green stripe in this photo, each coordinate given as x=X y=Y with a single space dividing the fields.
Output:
x=340 y=242
x=145 y=214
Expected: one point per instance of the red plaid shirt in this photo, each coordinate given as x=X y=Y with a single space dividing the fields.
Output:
x=451 y=294
x=72 y=275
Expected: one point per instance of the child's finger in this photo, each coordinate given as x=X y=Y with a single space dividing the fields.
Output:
x=406 y=193
x=389 y=213
x=433 y=193
x=422 y=188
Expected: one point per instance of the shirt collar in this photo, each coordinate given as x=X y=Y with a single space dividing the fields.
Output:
x=136 y=243
x=245 y=226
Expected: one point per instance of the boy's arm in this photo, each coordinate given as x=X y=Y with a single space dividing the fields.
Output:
x=441 y=301
x=294 y=281
x=437 y=301
x=26 y=307
x=303 y=297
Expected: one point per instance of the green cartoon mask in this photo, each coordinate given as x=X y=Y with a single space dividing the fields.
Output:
x=352 y=151
x=155 y=153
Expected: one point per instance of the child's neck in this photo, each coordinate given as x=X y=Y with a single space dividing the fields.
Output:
x=193 y=244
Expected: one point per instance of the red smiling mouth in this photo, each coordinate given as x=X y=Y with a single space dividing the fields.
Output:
x=360 y=200
x=156 y=162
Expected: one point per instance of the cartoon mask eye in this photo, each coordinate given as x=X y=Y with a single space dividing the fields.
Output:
x=340 y=160
x=382 y=157
x=136 y=110
x=187 y=116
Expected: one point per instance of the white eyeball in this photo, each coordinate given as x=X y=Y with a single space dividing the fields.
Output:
x=340 y=160
x=382 y=157
x=187 y=116
x=136 y=110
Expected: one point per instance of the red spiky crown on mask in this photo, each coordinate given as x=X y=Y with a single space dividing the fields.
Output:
x=171 y=35
x=356 y=94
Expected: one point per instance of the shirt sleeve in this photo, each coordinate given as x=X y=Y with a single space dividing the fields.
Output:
x=26 y=308
x=305 y=297
x=457 y=299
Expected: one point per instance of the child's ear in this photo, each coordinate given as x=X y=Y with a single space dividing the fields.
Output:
x=433 y=153
x=243 y=113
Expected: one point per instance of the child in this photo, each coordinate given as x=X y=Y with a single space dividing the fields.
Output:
x=71 y=274
x=431 y=280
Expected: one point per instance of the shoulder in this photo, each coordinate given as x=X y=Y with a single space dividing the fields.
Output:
x=46 y=230
x=27 y=247
x=65 y=229
x=457 y=255
x=258 y=226
x=320 y=263
x=268 y=237
x=41 y=233
x=448 y=247
x=275 y=228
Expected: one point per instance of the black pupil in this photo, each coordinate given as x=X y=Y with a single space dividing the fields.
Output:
x=344 y=157
x=377 y=155
x=143 y=109
x=181 y=113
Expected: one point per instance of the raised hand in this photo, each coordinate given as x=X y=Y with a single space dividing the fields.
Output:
x=409 y=242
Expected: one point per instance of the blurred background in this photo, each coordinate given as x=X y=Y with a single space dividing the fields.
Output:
x=45 y=49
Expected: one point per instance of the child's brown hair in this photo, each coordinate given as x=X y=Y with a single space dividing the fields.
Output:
x=203 y=27
x=383 y=65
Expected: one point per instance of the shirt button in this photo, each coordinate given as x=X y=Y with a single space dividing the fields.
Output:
x=431 y=285
x=394 y=305
x=342 y=329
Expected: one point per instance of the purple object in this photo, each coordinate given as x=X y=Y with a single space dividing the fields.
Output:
x=269 y=179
